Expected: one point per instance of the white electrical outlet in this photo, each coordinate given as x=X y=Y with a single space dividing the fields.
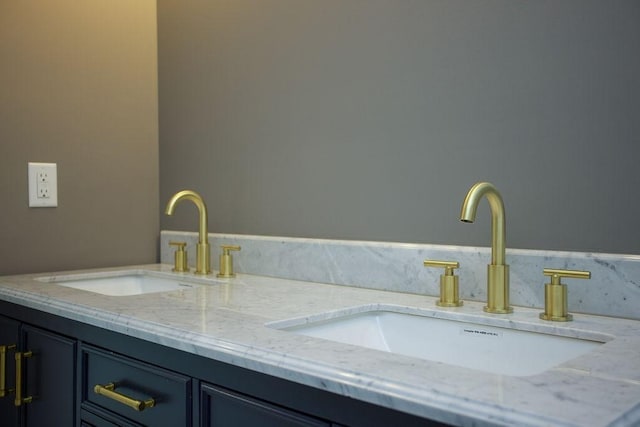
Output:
x=43 y=185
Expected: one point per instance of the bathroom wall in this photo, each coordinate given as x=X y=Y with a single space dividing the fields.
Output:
x=79 y=88
x=370 y=119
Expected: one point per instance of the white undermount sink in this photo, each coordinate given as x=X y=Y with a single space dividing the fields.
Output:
x=121 y=283
x=417 y=333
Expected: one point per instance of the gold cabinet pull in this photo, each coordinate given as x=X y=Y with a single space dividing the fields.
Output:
x=19 y=399
x=109 y=391
x=3 y=369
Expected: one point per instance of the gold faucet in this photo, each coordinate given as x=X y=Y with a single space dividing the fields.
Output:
x=498 y=270
x=203 y=264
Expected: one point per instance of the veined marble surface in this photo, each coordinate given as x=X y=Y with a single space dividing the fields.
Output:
x=225 y=320
x=613 y=290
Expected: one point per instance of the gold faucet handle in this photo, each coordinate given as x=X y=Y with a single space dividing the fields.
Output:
x=447 y=265
x=180 y=257
x=227 y=248
x=449 y=286
x=226 y=261
x=557 y=274
x=555 y=294
x=179 y=245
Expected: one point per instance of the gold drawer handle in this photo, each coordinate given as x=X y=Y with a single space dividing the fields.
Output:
x=108 y=390
x=3 y=369
x=19 y=400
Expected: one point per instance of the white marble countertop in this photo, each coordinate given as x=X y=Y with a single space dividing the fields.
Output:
x=225 y=320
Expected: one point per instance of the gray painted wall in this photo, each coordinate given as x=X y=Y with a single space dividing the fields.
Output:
x=78 y=87
x=371 y=119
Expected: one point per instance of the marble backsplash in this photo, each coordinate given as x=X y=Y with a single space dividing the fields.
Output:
x=614 y=288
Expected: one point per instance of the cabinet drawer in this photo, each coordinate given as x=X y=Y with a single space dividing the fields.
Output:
x=137 y=381
x=225 y=408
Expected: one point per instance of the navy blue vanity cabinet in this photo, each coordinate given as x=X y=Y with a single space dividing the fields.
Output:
x=221 y=407
x=46 y=365
x=127 y=390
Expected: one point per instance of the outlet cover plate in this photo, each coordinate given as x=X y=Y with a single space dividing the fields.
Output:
x=43 y=185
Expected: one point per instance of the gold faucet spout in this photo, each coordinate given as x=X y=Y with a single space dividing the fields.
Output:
x=498 y=233
x=203 y=262
x=498 y=270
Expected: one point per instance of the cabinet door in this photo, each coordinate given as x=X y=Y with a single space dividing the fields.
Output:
x=49 y=377
x=9 y=334
x=224 y=408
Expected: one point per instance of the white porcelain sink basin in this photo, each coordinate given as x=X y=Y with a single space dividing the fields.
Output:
x=121 y=283
x=492 y=349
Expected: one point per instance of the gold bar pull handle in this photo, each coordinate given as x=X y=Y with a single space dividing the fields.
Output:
x=449 y=296
x=109 y=391
x=555 y=294
x=19 y=400
x=3 y=369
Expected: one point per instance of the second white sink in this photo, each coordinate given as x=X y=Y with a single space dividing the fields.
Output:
x=125 y=283
x=492 y=349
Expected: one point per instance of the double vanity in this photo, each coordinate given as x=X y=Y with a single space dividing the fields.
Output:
x=303 y=332
x=313 y=353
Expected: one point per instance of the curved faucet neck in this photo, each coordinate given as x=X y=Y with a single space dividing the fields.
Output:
x=498 y=222
x=202 y=210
